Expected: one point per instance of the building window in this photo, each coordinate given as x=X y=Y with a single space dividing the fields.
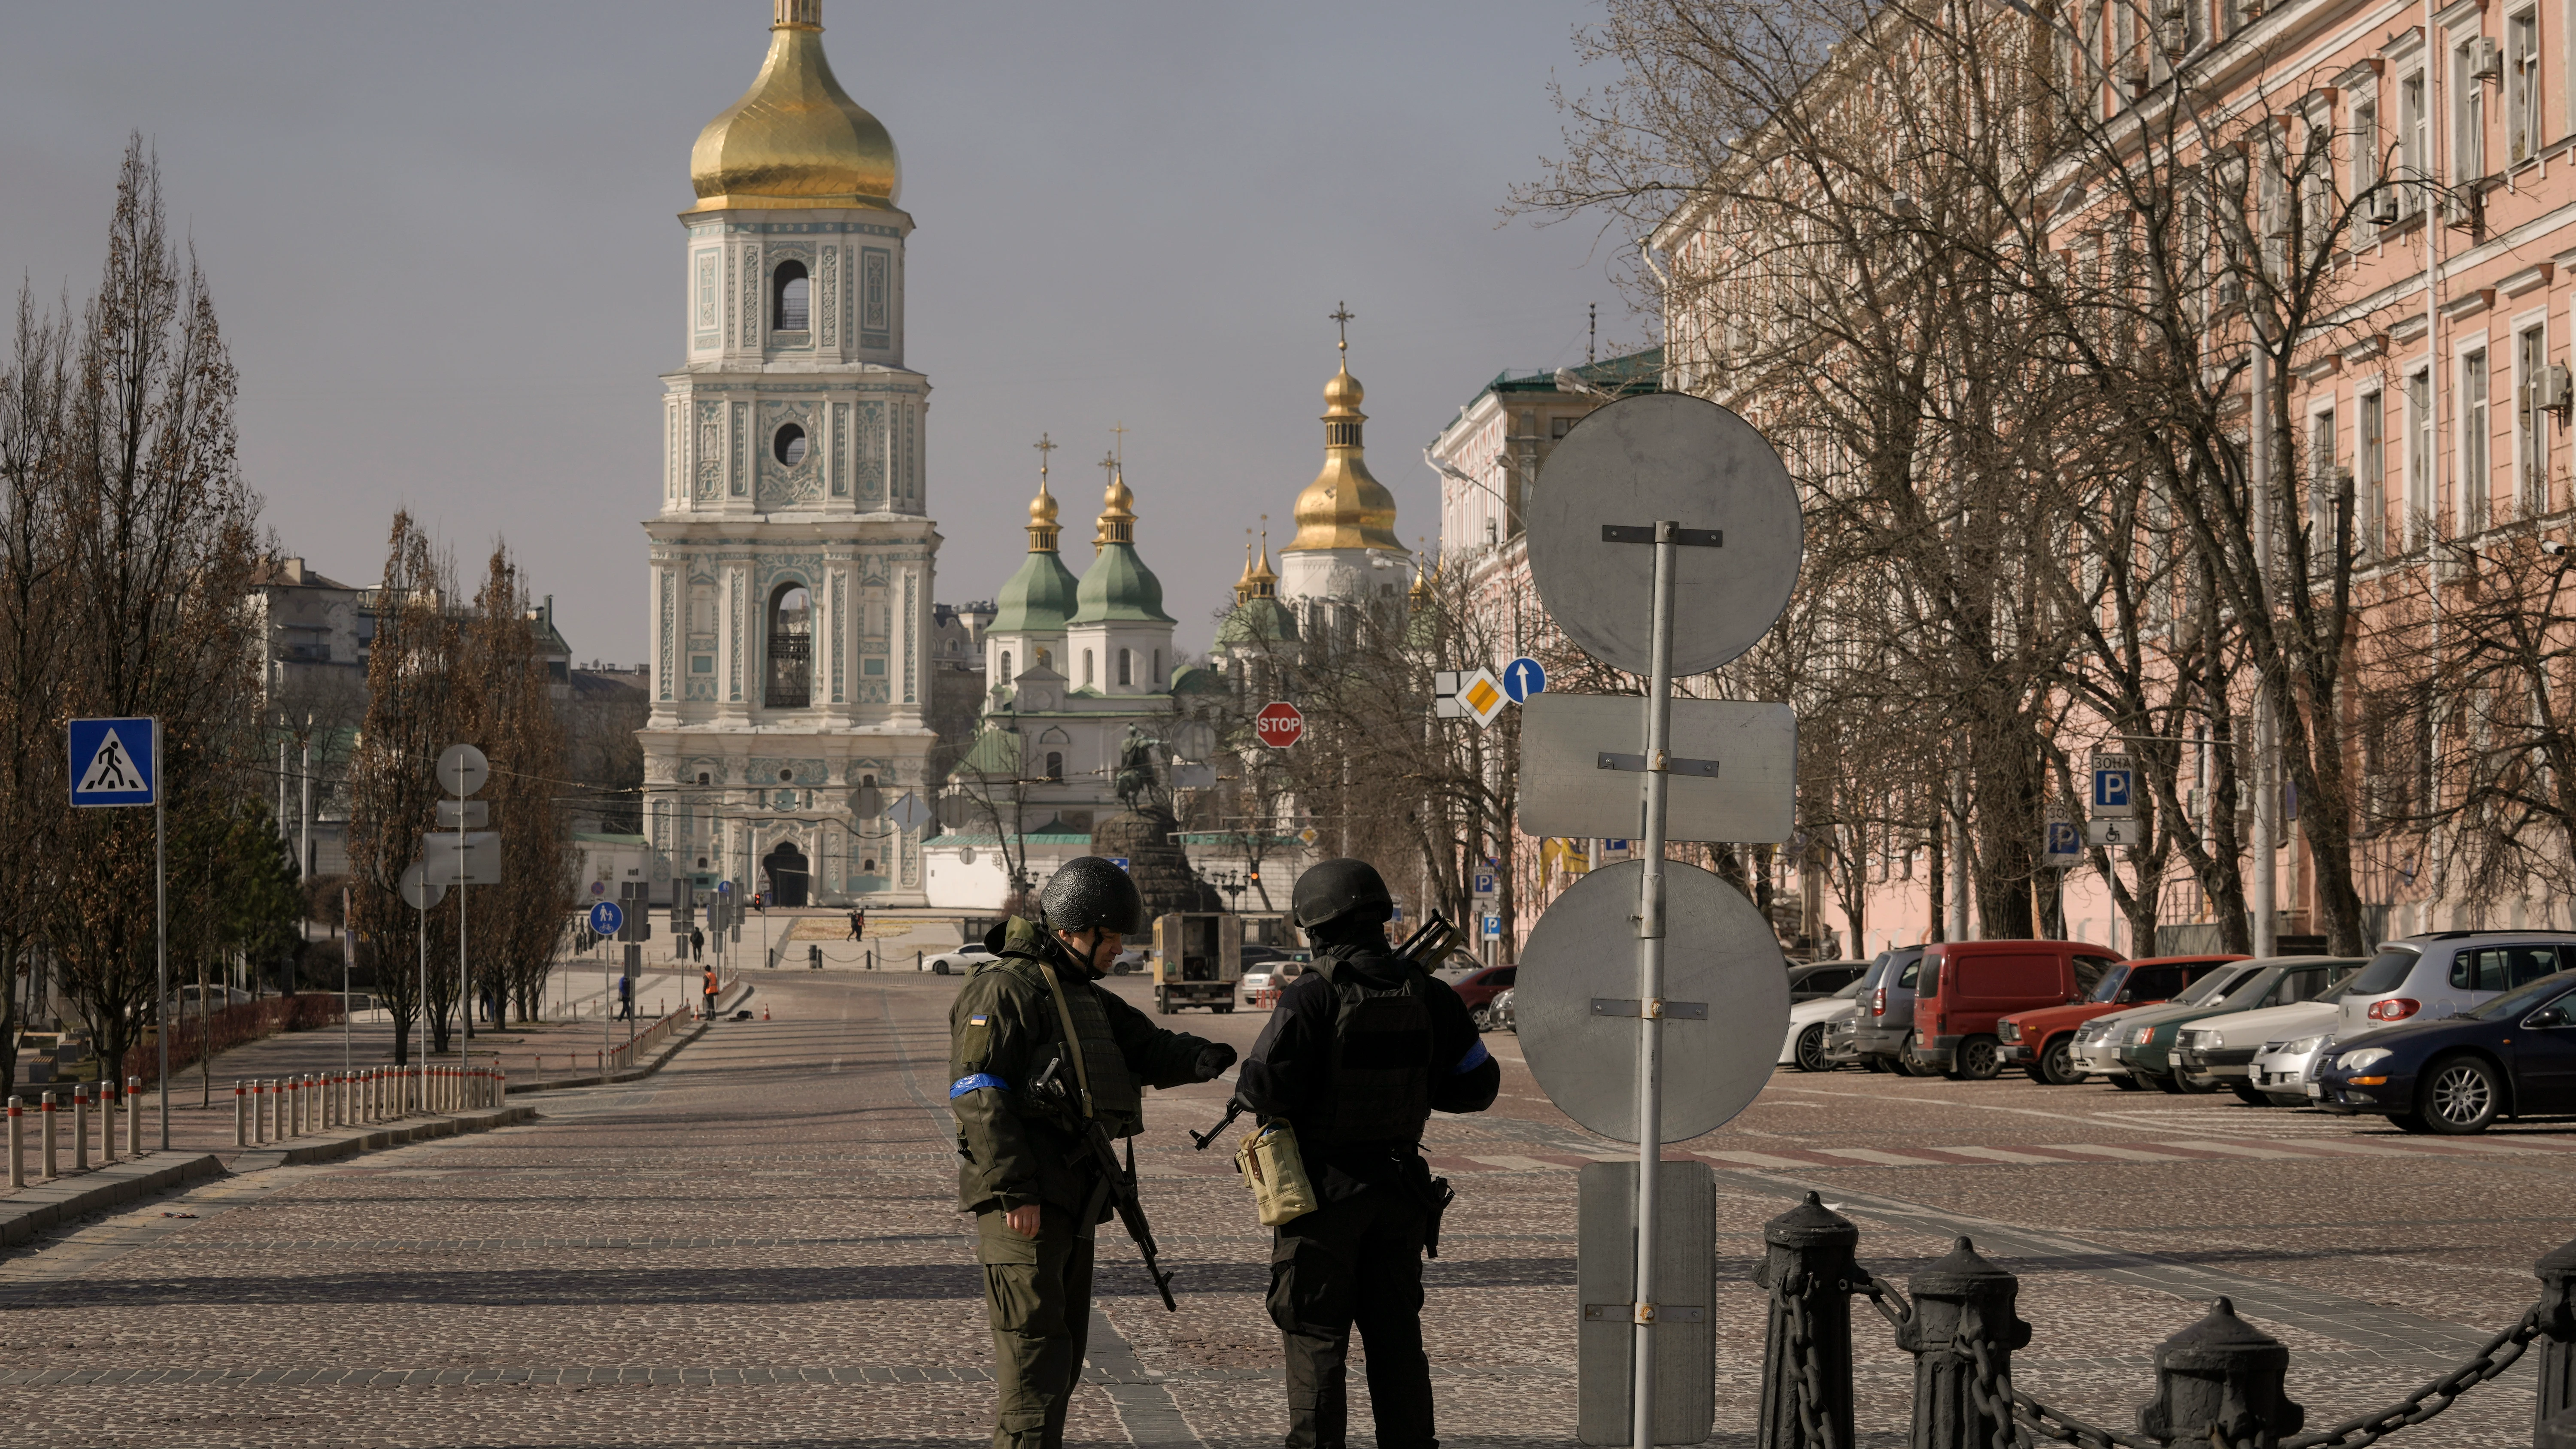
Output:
x=2365 y=151
x=1055 y=765
x=2414 y=144
x=788 y=446
x=2323 y=486
x=2371 y=452
x=1559 y=427
x=1158 y=666
x=2474 y=465
x=2530 y=441
x=1007 y=676
x=1086 y=668
x=1125 y=666
x=790 y=292
x=2522 y=87
x=2419 y=457
x=2468 y=115
x=791 y=647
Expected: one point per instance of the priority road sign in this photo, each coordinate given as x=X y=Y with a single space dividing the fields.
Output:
x=2114 y=786
x=1482 y=697
x=1279 y=724
x=116 y=761
x=605 y=918
x=1522 y=678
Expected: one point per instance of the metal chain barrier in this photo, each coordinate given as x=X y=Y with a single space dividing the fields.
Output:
x=2490 y=1361
x=1808 y=1389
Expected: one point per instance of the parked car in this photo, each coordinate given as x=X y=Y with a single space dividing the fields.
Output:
x=1877 y=1034
x=2284 y=1071
x=1823 y=978
x=1500 y=1013
x=2513 y=1055
x=1277 y=968
x=1478 y=986
x=2147 y=1050
x=2042 y=1042
x=2443 y=972
x=1966 y=987
x=2221 y=1053
x=2095 y=1049
x=958 y=960
x=1812 y=1021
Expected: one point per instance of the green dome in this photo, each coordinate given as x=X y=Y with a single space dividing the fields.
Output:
x=1118 y=587
x=1038 y=599
x=1258 y=621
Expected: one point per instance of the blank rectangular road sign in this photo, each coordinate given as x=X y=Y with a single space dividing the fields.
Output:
x=1685 y=1301
x=1564 y=790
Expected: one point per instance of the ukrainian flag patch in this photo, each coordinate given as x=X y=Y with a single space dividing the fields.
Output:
x=977 y=1019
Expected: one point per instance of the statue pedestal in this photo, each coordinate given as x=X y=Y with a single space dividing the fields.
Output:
x=1154 y=860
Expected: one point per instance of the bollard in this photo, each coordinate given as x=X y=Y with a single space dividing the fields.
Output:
x=241 y=1115
x=2553 y=1424
x=107 y=1097
x=17 y=1143
x=290 y=1107
x=258 y=1111
x=2221 y=1378
x=134 y=1116
x=1807 y=1354
x=50 y=1163
x=1962 y=1304
x=80 y=1129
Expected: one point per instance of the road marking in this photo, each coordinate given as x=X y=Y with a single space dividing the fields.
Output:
x=1998 y=1154
x=2124 y=1154
x=2361 y=1149
x=1884 y=1159
x=2233 y=1149
x=1750 y=1159
x=1519 y=1164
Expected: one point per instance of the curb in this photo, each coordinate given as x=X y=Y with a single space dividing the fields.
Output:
x=44 y=1207
x=632 y=1074
x=353 y=1143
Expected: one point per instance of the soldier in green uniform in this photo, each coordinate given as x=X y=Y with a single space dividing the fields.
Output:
x=1034 y=1189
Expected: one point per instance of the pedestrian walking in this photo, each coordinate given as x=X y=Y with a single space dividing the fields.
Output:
x=625 y=998
x=697 y=943
x=1361 y=1050
x=1034 y=1018
x=858 y=924
x=710 y=989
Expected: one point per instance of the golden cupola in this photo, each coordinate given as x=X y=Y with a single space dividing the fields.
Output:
x=1117 y=511
x=795 y=139
x=1345 y=507
x=1042 y=516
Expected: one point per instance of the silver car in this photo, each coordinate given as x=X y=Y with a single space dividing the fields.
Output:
x=2283 y=1070
x=2437 y=974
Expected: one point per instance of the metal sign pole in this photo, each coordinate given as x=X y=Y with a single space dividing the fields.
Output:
x=161 y=907
x=1650 y=985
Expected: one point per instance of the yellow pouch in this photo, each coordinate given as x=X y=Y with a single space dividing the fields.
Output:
x=1269 y=1161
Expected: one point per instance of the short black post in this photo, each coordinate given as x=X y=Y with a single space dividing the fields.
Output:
x=2221 y=1376
x=1962 y=1303
x=1807 y=1352
x=2553 y=1424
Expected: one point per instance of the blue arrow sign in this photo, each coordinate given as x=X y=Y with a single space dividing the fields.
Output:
x=1522 y=678
x=605 y=918
x=115 y=761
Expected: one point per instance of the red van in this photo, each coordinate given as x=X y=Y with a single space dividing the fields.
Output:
x=1964 y=987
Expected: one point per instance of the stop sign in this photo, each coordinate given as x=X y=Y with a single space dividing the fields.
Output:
x=1279 y=724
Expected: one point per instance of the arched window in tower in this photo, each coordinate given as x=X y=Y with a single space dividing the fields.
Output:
x=1007 y=676
x=789 y=445
x=1086 y=668
x=792 y=291
x=1055 y=765
x=791 y=647
x=1126 y=666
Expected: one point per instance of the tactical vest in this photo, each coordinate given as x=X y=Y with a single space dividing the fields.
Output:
x=1115 y=1098
x=1380 y=1059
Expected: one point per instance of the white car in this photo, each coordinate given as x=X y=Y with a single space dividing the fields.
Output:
x=2221 y=1051
x=2284 y=1068
x=958 y=960
x=1810 y=1022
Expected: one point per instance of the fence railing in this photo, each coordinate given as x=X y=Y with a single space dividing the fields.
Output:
x=2219 y=1382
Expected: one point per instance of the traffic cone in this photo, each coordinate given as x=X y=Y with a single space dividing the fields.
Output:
x=764 y=1012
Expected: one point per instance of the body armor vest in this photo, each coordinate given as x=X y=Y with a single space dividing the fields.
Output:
x=1381 y=1059
x=1115 y=1098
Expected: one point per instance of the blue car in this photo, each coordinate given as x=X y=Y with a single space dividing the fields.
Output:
x=2513 y=1056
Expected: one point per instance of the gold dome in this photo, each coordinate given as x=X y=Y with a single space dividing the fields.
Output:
x=1042 y=513
x=795 y=139
x=1117 y=511
x=1345 y=507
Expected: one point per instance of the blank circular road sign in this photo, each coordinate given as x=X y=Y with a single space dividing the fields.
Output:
x=1726 y=994
x=418 y=890
x=1641 y=460
x=462 y=770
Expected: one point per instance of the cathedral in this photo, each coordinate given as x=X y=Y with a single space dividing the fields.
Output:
x=791 y=559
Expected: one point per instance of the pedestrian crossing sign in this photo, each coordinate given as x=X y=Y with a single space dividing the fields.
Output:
x=115 y=761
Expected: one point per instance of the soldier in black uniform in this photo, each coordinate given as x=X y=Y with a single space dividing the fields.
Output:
x=1035 y=1190
x=1361 y=1051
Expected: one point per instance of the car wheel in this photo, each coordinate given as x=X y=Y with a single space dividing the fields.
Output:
x=2246 y=1094
x=1225 y=1006
x=1981 y=1058
x=2126 y=1082
x=1873 y=1064
x=2460 y=1095
x=938 y=968
x=2189 y=1088
x=2283 y=1099
x=1811 y=1051
x=2161 y=1083
x=2057 y=1063
x=1482 y=1018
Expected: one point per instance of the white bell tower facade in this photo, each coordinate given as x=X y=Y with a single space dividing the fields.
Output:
x=792 y=556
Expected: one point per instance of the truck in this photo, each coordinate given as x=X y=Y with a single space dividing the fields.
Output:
x=1198 y=960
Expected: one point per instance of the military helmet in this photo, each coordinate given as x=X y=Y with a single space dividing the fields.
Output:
x=1091 y=893
x=1332 y=889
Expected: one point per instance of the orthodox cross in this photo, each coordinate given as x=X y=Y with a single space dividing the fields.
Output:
x=1044 y=445
x=1341 y=316
x=1120 y=432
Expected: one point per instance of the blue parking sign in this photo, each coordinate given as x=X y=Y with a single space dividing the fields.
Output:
x=116 y=761
x=1493 y=928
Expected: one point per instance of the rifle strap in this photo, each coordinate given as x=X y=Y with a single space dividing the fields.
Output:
x=1072 y=1039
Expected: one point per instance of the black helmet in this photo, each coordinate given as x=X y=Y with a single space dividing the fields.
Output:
x=1088 y=893
x=1333 y=889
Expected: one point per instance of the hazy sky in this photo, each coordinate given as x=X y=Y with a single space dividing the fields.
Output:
x=441 y=238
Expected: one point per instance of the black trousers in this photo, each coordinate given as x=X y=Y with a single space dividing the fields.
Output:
x=1356 y=1262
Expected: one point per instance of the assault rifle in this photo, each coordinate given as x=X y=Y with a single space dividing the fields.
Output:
x=1424 y=949
x=1116 y=1182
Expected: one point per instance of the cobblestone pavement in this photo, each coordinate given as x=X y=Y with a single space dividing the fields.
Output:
x=757 y=1245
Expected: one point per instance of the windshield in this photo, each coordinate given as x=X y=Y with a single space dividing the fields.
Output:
x=2341 y=985
x=2514 y=1003
x=1905 y=978
x=2250 y=989
x=2112 y=980
x=1877 y=970
x=2386 y=971
x=1851 y=991
x=2214 y=985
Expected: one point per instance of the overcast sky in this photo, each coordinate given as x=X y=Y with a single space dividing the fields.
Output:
x=442 y=241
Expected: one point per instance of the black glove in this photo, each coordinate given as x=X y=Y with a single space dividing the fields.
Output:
x=1214 y=1058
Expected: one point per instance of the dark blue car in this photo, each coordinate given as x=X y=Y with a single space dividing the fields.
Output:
x=2514 y=1056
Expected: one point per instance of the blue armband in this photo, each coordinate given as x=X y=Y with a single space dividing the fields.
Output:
x=1476 y=1057
x=963 y=1085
